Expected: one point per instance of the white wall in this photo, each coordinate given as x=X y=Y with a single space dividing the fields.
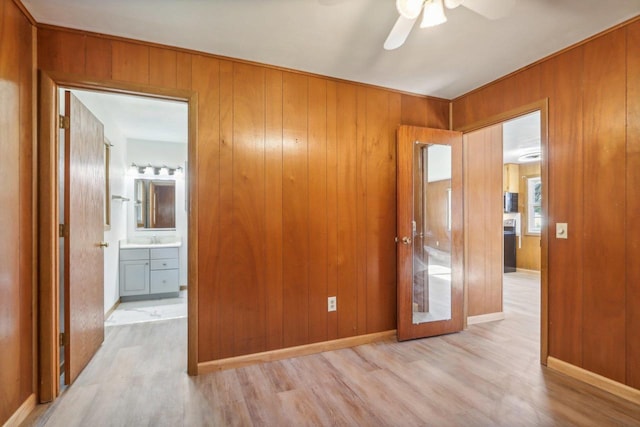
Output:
x=118 y=231
x=160 y=153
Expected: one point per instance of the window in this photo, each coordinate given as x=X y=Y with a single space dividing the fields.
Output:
x=534 y=205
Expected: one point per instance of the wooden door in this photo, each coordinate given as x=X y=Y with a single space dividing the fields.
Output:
x=430 y=239
x=83 y=255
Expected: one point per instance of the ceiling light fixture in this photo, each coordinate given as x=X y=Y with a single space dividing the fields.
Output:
x=433 y=14
x=534 y=156
x=409 y=9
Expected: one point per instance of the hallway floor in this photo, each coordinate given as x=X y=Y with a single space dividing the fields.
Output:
x=487 y=375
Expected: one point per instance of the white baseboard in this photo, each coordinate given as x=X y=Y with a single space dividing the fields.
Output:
x=621 y=390
x=483 y=318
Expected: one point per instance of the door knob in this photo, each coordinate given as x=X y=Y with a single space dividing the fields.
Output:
x=406 y=240
x=103 y=244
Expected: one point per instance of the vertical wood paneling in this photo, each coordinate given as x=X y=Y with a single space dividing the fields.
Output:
x=206 y=74
x=413 y=111
x=10 y=310
x=346 y=140
x=26 y=207
x=248 y=208
x=163 y=67
x=562 y=81
x=361 y=235
x=633 y=206
x=604 y=216
x=273 y=209
x=383 y=111
x=98 y=57
x=130 y=62
x=225 y=279
x=183 y=70
x=16 y=219
x=318 y=225
x=326 y=162
x=332 y=206
x=483 y=219
x=65 y=52
x=295 y=206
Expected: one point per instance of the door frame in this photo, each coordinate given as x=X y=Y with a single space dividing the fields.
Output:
x=47 y=180
x=542 y=106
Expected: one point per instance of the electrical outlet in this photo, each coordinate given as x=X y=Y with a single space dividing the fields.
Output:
x=332 y=304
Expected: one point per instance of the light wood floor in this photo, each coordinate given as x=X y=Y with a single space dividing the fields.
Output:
x=487 y=375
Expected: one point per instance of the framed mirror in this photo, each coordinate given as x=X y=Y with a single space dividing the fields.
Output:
x=155 y=204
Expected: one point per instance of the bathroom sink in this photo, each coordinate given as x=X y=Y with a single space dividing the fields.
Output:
x=151 y=242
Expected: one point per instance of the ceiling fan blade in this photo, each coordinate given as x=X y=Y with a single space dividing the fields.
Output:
x=490 y=9
x=399 y=33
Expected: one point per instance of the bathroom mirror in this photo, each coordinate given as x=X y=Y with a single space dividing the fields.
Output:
x=155 y=204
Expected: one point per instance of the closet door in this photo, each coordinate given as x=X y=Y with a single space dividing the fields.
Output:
x=429 y=230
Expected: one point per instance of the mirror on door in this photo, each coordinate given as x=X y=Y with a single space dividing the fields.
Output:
x=431 y=233
x=155 y=204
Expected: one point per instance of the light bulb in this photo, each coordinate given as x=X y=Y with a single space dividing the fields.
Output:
x=433 y=14
x=409 y=9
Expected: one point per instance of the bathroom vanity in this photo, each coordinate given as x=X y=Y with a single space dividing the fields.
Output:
x=149 y=270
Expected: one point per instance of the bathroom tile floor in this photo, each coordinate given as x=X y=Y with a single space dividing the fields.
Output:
x=149 y=310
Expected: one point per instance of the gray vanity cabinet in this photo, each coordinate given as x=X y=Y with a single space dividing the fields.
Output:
x=149 y=271
x=134 y=272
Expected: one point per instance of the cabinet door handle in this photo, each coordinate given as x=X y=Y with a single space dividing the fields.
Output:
x=164 y=264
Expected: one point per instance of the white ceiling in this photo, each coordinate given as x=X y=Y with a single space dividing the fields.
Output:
x=521 y=136
x=343 y=38
x=138 y=117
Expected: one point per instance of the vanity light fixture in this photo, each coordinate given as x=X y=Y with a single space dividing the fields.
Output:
x=150 y=169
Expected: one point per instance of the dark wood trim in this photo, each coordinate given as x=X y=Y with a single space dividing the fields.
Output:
x=548 y=57
x=227 y=58
x=542 y=106
x=49 y=215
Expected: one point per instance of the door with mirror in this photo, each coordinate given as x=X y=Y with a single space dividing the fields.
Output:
x=430 y=239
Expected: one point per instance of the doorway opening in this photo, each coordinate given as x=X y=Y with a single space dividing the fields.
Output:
x=522 y=207
x=505 y=224
x=143 y=192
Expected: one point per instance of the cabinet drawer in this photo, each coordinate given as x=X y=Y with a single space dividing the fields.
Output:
x=164 y=281
x=163 y=253
x=133 y=254
x=164 y=264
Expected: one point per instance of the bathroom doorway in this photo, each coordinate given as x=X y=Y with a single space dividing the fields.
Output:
x=52 y=325
x=145 y=236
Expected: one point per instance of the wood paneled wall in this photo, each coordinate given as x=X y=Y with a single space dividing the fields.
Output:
x=593 y=158
x=17 y=214
x=296 y=186
x=528 y=254
x=483 y=220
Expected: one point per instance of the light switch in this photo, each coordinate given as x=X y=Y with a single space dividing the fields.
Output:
x=562 y=231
